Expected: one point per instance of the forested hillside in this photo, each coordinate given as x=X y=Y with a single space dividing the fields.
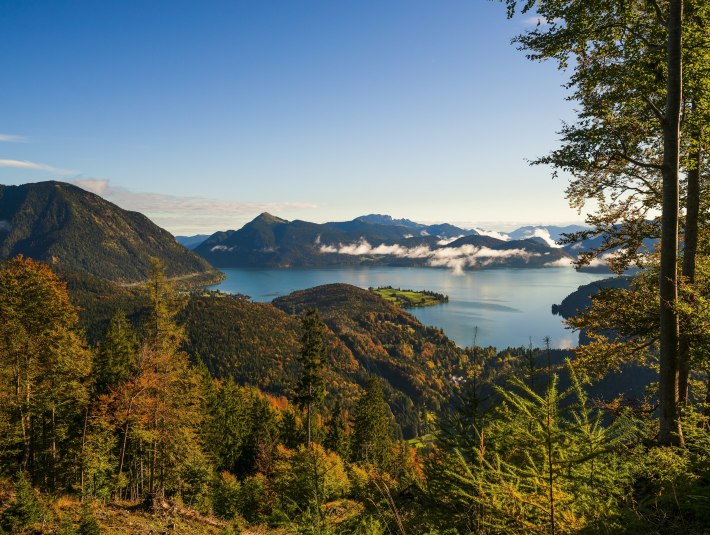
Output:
x=76 y=230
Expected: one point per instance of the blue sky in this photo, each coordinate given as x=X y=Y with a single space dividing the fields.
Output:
x=203 y=114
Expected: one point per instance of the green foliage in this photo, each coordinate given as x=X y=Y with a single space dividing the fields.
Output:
x=88 y=525
x=116 y=355
x=410 y=298
x=309 y=477
x=540 y=462
x=26 y=508
x=310 y=389
x=44 y=363
x=226 y=495
x=372 y=439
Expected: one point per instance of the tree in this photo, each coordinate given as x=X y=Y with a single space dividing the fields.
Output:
x=310 y=389
x=43 y=367
x=116 y=355
x=625 y=150
x=543 y=463
x=157 y=408
x=372 y=439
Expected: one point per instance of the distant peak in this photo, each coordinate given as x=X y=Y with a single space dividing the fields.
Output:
x=383 y=219
x=266 y=217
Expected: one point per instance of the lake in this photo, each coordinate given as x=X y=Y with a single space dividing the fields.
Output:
x=509 y=306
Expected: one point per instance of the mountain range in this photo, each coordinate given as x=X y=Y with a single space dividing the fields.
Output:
x=75 y=230
x=269 y=241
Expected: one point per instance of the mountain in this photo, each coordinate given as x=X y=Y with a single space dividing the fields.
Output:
x=269 y=241
x=381 y=219
x=76 y=230
x=442 y=230
x=191 y=241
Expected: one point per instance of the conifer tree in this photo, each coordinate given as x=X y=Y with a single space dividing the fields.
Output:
x=226 y=424
x=336 y=436
x=116 y=355
x=372 y=438
x=310 y=389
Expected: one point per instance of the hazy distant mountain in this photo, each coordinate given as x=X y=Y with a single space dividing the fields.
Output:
x=269 y=241
x=76 y=230
x=443 y=230
x=381 y=219
x=191 y=241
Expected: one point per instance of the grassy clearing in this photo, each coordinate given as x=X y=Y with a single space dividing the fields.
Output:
x=410 y=298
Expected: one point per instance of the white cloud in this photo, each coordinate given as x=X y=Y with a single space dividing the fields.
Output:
x=447 y=241
x=11 y=138
x=543 y=234
x=456 y=258
x=185 y=215
x=24 y=164
x=492 y=234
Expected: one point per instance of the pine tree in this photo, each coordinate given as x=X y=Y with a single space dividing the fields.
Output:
x=372 y=438
x=310 y=389
x=116 y=355
x=336 y=437
x=25 y=509
x=544 y=463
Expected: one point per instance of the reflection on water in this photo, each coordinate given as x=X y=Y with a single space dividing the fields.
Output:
x=509 y=306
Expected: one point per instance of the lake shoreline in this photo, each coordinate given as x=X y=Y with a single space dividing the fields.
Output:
x=509 y=306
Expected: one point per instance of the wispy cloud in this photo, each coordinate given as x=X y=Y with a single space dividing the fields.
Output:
x=455 y=258
x=12 y=138
x=186 y=215
x=24 y=164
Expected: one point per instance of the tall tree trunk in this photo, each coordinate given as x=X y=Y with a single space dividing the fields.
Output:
x=690 y=247
x=83 y=449
x=670 y=431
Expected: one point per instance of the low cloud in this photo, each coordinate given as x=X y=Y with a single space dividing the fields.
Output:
x=447 y=241
x=11 y=138
x=24 y=164
x=543 y=234
x=185 y=215
x=560 y=262
x=493 y=234
x=455 y=258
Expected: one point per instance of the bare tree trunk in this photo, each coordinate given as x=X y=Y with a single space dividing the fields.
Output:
x=690 y=247
x=670 y=430
x=83 y=447
x=308 y=417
